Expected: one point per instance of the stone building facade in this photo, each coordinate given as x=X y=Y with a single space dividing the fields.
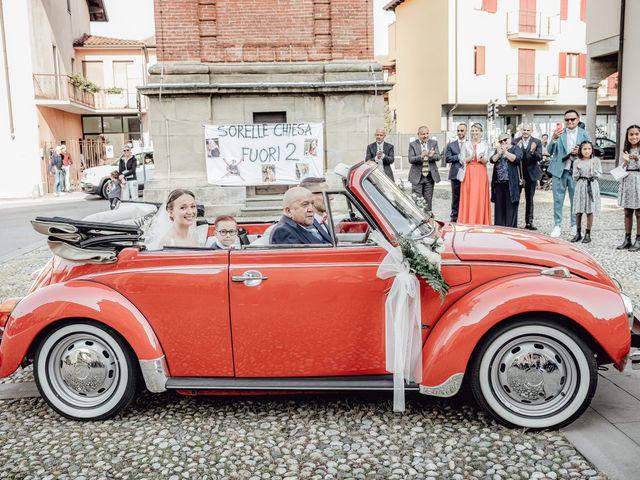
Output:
x=250 y=61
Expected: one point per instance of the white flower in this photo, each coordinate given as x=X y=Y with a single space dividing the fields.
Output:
x=422 y=249
x=426 y=241
x=433 y=258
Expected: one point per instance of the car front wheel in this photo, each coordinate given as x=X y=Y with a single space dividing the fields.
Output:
x=105 y=189
x=85 y=371
x=534 y=375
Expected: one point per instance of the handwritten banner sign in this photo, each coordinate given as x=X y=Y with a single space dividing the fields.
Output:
x=263 y=154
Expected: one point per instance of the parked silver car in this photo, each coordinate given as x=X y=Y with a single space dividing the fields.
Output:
x=95 y=179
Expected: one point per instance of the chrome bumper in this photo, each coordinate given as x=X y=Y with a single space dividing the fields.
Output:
x=155 y=374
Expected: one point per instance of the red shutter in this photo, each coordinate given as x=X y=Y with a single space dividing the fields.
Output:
x=582 y=65
x=562 y=66
x=490 y=6
x=564 y=9
x=583 y=10
x=479 y=64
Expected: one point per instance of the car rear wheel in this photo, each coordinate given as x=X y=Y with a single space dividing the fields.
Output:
x=534 y=375
x=85 y=371
x=105 y=189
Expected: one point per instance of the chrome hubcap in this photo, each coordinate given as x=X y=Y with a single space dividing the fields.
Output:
x=83 y=369
x=534 y=375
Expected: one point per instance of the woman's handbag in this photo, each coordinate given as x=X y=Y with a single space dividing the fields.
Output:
x=619 y=173
x=460 y=174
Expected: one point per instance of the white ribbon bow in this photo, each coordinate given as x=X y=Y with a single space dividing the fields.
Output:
x=403 y=332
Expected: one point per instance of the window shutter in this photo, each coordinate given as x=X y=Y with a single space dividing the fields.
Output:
x=562 y=66
x=479 y=63
x=490 y=6
x=582 y=65
x=564 y=9
x=583 y=10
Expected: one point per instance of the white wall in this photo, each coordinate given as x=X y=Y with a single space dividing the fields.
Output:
x=20 y=160
x=476 y=27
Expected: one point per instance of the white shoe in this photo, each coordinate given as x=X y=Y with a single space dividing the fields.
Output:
x=56 y=194
x=574 y=231
x=556 y=232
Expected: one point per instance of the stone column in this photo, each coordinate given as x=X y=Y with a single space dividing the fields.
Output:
x=592 y=105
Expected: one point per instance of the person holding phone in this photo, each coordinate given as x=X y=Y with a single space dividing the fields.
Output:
x=563 y=149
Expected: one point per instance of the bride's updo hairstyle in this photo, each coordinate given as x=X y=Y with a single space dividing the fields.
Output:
x=175 y=194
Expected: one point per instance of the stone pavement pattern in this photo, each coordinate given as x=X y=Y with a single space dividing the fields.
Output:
x=327 y=436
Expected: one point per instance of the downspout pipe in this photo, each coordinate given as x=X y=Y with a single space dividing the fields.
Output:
x=5 y=66
x=623 y=7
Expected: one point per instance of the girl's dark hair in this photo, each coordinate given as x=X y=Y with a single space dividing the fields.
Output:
x=627 y=143
x=586 y=142
x=177 y=193
x=115 y=174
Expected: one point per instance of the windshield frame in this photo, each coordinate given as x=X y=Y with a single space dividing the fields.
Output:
x=424 y=226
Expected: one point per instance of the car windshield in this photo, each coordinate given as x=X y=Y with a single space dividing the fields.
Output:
x=398 y=208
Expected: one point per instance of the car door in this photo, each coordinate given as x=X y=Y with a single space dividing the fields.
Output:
x=312 y=311
x=183 y=293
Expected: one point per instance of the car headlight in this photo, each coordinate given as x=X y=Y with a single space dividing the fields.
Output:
x=628 y=306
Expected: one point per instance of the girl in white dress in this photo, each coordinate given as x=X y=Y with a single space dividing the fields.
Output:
x=586 y=199
x=629 y=197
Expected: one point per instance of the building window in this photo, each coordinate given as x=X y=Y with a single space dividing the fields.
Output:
x=479 y=60
x=573 y=65
x=490 y=6
x=269 y=117
x=93 y=71
x=564 y=9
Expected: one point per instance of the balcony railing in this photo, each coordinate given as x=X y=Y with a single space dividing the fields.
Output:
x=533 y=26
x=60 y=87
x=115 y=101
x=532 y=86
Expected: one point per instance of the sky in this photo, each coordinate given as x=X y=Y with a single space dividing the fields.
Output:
x=133 y=20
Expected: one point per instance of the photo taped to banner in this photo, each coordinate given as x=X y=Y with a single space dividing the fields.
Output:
x=260 y=154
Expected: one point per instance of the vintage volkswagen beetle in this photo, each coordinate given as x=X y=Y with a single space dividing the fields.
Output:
x=525 y=324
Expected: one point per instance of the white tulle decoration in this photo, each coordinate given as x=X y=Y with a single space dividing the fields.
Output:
x=403 y=323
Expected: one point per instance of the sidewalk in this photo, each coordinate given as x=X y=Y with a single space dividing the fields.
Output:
x=45 y=199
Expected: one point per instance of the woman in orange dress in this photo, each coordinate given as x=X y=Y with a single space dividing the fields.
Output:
x=475 y=207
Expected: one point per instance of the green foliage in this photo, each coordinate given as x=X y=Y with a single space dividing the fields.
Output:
x=424 y=259
x=83 y=83
x=113 y=90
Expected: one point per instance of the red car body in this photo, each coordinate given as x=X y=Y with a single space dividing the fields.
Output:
x=319 y=313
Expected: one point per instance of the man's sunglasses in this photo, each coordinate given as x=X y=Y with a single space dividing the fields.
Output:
x=461 y=131
x=573 y=119
x=503 y=140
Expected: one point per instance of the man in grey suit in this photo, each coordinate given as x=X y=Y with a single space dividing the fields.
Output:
x=423 y=157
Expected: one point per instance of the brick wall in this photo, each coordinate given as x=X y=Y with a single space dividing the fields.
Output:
x=263 y=30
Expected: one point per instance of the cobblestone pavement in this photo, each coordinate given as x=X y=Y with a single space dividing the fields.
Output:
x=310 y=436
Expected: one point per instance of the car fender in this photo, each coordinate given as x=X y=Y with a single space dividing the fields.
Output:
x=597 y=308
x=74 y=299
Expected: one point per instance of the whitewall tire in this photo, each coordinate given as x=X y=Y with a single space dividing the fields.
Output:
x=534 y=375
x=85 y=371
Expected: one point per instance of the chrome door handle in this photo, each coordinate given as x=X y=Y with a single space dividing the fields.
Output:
x=250 y=278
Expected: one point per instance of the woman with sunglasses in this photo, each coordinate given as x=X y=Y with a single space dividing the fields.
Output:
x=505 y=182
x=475 y=207
x=226 y=233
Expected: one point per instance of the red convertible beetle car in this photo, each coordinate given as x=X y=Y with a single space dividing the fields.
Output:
x=525 y=324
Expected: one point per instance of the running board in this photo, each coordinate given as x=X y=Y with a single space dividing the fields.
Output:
x=368 y=382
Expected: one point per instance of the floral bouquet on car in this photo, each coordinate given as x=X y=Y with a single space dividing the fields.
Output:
x=424 y=258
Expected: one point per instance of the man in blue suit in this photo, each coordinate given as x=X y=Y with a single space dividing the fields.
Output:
x=298 y=225
x=563 y=148
x=452 y=156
